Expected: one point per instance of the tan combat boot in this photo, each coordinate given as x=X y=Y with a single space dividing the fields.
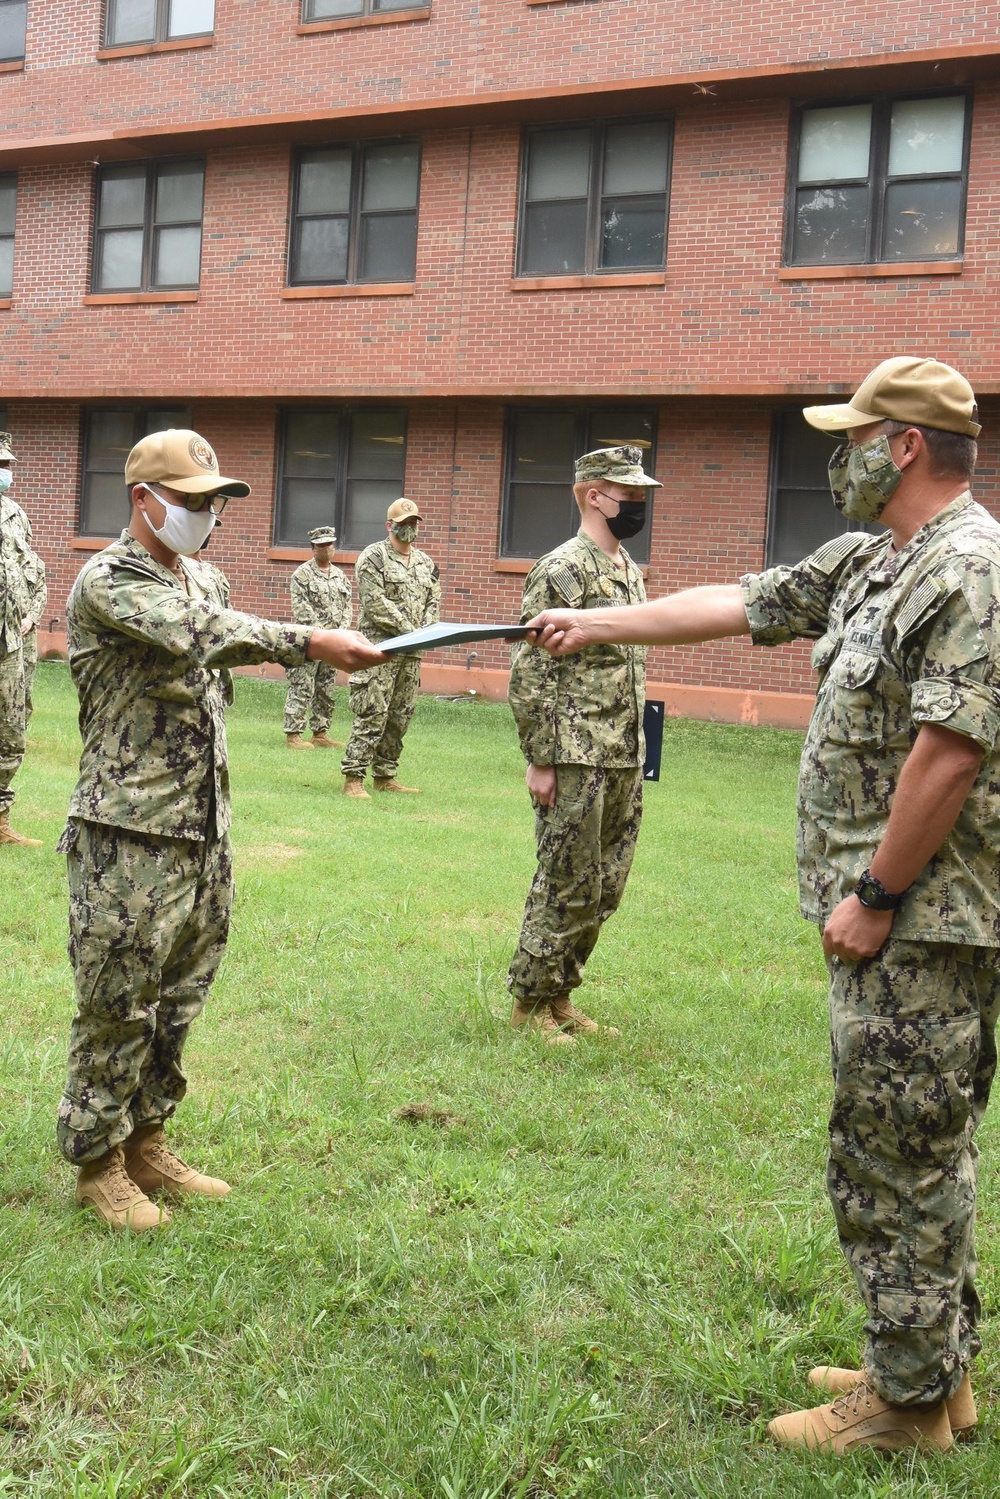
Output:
x=296 y=741
x=963 y=1417
x=575 y=1021
x=322 y=740
x=154 y=1167
x=862 y=1419
x=539 y=1018
x=8 y=835
x=106 y=1186
x=389 y=783
x=355 y=786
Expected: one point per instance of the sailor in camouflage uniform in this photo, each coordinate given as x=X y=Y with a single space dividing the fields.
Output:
x=321 y=595
x=16 y=624
x=38 y=596
x=580 y=724
x=899 y=861
x=151 y=640
x=399 y=589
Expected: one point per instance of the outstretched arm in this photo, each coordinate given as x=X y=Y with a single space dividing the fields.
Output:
x=695 y=614
x=348 y=650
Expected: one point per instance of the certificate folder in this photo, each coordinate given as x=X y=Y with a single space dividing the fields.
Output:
x=443 y=634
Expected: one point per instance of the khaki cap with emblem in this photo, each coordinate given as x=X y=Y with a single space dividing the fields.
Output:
x=182 y=460
x=401 y=510
x=322 y=536
x=905 y=389
x=6 y=456
x=620 y=465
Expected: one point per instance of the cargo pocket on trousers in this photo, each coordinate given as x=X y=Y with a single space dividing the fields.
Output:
x=896 y=1306
x=101 y=944
x=926 y=1068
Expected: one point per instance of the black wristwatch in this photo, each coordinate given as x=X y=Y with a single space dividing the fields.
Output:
x=873 y=894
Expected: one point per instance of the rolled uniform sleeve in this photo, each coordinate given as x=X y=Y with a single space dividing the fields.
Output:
x=950 y=638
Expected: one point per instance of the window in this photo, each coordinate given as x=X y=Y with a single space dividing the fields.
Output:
x=137 y=21
x=801 y=514
x=335 y=10
x=340 y=466
x=879 y=181
x=8 y=207
x=594 y=198
x=109 y=435
x=13 y=24
x=354 y=216
x=543 y=443
x=148 y=230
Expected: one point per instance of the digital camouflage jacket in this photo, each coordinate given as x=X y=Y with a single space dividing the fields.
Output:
x=902 y=640
x=321 y=598
x=584 y=709
x=17 y=561
x=150 y=661
x=396 y=596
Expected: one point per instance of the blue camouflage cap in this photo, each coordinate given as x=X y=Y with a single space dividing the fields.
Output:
x=620 y=465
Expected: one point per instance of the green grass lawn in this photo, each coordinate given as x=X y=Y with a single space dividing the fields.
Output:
x=593 y=1271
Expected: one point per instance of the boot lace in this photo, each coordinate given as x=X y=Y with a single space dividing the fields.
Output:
x=117 y=1182
x=849 y=1405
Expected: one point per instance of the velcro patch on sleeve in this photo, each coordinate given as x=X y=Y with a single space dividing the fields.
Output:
x=567 y=585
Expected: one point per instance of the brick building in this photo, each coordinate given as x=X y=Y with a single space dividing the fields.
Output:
x=373 y=247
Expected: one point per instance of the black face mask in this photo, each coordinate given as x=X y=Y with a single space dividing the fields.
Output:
x=629 y=521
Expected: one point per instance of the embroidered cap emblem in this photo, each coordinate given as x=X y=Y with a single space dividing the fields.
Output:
x=202 y=454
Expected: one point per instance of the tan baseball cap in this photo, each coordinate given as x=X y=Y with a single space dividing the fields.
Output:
x=402 y=510
x=181 y=460
x=904 y=389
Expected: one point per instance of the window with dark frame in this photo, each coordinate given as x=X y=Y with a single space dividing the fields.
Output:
x=109 y=435
x=13 y=27
x=539 y=511
x=339 y=466
x=147 y=231
x=878 y=181
x=8 y=213
x=354 y=213
x=338 y=10
x=801 y=513
x=137 y=21
x=594 y=198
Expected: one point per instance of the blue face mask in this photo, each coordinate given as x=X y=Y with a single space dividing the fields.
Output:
x=6 y=480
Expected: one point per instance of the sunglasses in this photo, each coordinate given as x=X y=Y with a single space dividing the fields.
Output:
x=215 y=502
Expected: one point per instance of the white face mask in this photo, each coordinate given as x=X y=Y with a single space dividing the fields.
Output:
x=6 y=480
x=183 y=531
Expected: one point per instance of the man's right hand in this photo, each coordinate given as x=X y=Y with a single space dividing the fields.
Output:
x=561 y=632
x=348 y=650
x=541 y=783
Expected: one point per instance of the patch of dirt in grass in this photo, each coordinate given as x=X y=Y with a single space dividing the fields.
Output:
x=427 y=1113
x=276 y=851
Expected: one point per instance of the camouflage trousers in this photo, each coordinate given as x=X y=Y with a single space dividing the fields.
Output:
x=30 y=648
x=148 y=921
x=11 y=722
x=309 y=698
x=585 y=844
x=913 y=1035
x=382 y=700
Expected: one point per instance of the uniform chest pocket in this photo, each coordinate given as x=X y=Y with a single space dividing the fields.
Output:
x=855 y=705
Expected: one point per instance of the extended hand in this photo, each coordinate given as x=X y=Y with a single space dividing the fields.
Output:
x=855 y=931
x=541 y=783
x=561 y=632
x=348 y=650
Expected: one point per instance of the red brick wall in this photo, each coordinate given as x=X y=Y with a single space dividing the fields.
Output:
x=709 y=526
x=258 y=66
x=724 y=321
